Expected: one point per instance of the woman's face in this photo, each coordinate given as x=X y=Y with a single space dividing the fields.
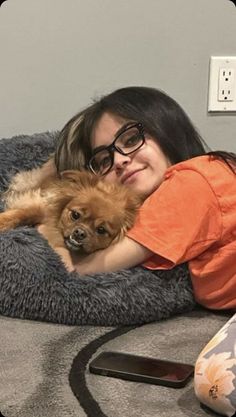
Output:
x=143 y=170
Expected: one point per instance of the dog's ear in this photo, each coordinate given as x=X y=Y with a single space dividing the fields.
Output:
x=72 y=175
x=83 y=178
x=133 y=200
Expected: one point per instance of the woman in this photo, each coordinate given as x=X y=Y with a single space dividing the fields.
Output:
x=141 y=137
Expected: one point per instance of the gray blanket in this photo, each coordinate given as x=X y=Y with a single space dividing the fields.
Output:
x=34 y=284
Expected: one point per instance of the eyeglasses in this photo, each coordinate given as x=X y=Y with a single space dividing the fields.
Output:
x=129 y=140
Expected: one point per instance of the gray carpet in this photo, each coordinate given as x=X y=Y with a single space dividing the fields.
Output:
x=44 y=367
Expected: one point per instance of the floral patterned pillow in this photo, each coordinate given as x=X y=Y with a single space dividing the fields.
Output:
x=215 y=371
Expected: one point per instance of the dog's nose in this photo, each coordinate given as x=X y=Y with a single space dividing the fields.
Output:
x=79 y=234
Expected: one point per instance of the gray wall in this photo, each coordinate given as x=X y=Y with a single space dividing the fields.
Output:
x=57 y=55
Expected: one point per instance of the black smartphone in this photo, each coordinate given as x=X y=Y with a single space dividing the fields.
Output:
x=142 y=369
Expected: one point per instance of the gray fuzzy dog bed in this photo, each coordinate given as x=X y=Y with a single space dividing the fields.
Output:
x=34 y=283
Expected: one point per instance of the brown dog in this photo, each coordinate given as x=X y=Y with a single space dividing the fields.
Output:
x=79 y=211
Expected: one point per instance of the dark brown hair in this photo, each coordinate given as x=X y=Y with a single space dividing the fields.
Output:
x=162 y=118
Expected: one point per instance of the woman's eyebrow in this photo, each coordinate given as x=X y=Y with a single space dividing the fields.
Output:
x=123 y=127
x=99 y=148
x=119 y=131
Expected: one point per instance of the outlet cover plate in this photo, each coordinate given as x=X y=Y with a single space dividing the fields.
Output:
x=217 y=63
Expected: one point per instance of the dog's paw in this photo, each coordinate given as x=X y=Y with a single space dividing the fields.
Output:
x=6 y=221
x=65 y=257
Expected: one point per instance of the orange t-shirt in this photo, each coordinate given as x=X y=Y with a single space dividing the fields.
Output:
x=191 y=218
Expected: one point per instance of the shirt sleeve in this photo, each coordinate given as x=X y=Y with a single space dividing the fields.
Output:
x=179 y=221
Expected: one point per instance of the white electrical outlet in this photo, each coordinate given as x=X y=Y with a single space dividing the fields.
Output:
x=222 y=84
x=226 y=84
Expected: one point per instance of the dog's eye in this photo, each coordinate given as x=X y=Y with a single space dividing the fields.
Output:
x=75 y=215
x=101 y=230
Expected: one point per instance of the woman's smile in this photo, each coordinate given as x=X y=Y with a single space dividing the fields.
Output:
x=130 y=176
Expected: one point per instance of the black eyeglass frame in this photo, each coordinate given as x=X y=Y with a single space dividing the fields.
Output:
x=112 y=147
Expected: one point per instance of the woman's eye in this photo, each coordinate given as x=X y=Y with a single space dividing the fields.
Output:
x=132 y=140
x=102 y=160
x=101 y=230
x=105 y=162
x=75 y=215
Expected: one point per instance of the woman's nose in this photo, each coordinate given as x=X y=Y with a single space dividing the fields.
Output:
x=120 y=160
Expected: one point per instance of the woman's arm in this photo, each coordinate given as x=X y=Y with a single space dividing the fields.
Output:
x=122 y=255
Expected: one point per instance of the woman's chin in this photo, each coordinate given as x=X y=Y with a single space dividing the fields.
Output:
x=143 y=184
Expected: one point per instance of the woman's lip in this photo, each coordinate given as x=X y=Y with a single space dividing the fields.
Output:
x=129 y=176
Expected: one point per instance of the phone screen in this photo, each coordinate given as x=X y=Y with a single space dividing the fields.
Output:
x=141 y=368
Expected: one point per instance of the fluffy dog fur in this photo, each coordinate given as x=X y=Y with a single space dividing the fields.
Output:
x=79 y=211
